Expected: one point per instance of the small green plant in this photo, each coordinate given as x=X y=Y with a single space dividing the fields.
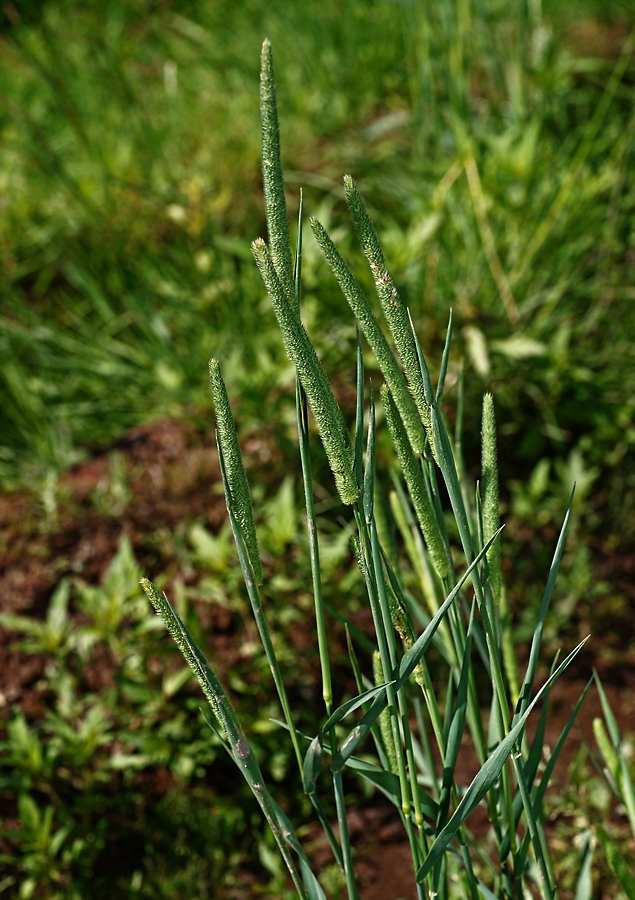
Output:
x=459 y=604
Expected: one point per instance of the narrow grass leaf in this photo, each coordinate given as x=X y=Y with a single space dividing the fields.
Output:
x=528 y=682
x=313 y=887
x=611 y=758
x=486 y=777
x=444 y=360
x=407 y=665
x=455 y=731
x=538 y=793
x=533 y=829
x=412 y=657
x=312 y=765
x=584 y=887
x=350 y=706
x=389 y=784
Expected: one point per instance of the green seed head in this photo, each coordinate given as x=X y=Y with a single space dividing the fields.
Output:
x=240 y=497
x=417 y=488
x=489 y=487
x=301 y=352
x=395 y=312
x=375 y=337
x=273 y=181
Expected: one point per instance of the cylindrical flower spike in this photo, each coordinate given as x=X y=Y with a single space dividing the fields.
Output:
x=394 y=310
x=300 y=350
x=236 y=477
x=489 y=488
x=375 y=337
x=199 y=665
x=417 y=487
x=273 y=181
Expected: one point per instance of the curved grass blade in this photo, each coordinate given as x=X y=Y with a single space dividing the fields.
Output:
x=350 y=706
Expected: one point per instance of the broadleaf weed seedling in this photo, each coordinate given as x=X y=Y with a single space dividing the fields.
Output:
x=472 y=632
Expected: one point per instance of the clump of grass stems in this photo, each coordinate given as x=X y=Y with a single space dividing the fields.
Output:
x=461 y=612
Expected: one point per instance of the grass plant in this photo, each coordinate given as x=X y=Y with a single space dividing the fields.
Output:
x=493 y=147
x=461 y=609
